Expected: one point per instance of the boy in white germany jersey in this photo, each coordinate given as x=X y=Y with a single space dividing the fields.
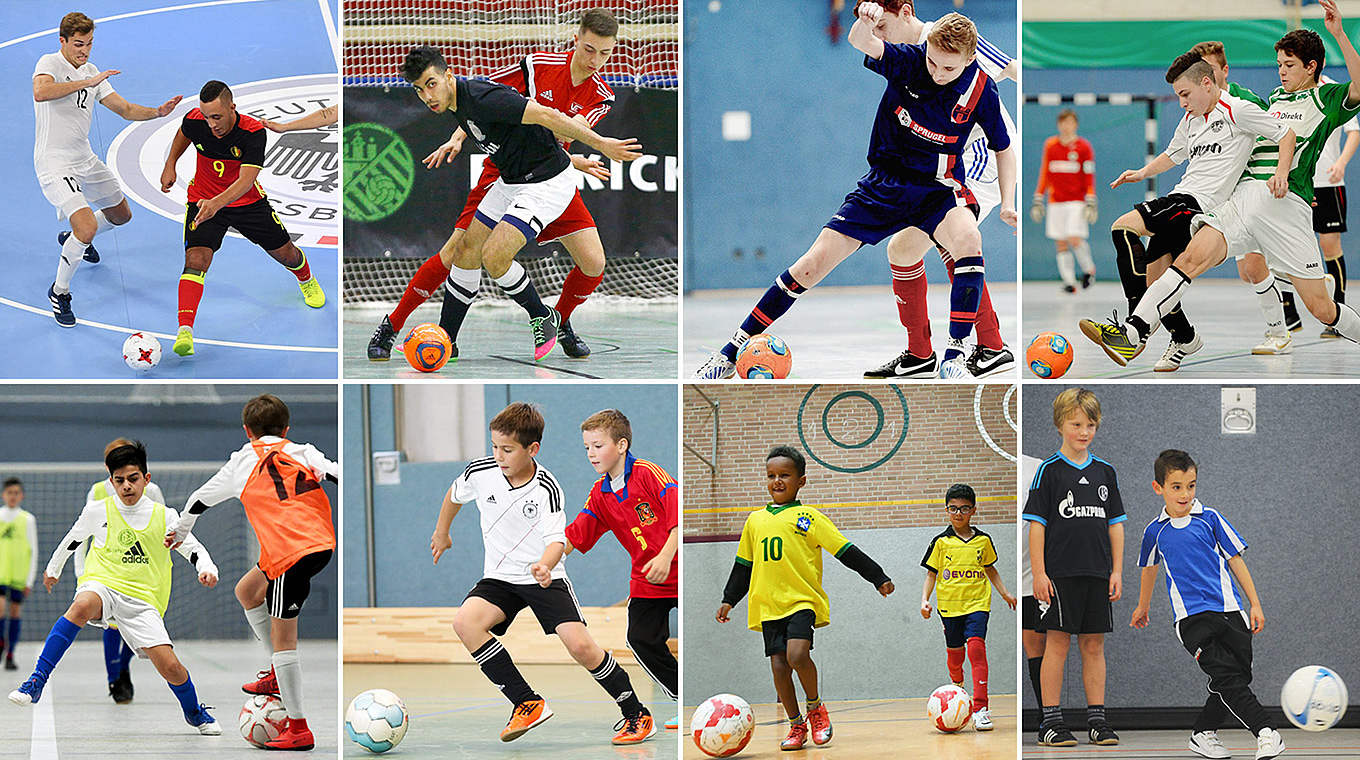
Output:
x=126 y=581
x=65 y=88
x=907 y=249
x=1215 y=136
x=523 y=534
x=1261 y=215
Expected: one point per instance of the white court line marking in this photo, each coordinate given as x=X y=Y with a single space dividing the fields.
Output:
x=134 y=14
x=207 y=341
x=330 y=30
x=44 y=737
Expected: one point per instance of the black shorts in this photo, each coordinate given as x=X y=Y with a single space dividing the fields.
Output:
x=287 y=592
x=1168 y=220
x=778 y=632
x=257 y=221
x=13 y=593
x=553 y=605
x=1080 y=605
x=1030 y=617
x=1329 y=209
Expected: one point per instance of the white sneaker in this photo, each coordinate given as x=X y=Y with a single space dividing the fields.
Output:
x=718 y=367
x=1274 y=345
x=1268 y=744
x=210 y=729
x=982 y=720
x=1206 y=744
x=957 y=367
x=1176 y=353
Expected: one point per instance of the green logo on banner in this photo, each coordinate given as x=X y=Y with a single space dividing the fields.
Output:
x=379 y=172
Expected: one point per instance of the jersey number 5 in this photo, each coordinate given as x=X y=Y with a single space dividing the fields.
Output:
x=637 y=533
x=773 y=548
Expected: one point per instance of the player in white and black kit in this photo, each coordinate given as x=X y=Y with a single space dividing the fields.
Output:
x=1215 y=136
x=65 y=88
x=535 y=187
x=523 y=530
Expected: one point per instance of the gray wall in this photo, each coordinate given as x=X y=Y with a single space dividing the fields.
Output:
x=1289 y=490
x=874 y=648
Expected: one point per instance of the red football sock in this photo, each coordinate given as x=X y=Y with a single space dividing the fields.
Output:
x=954 y=660
x=190 y=293
x=987 y=328
x=303 y=271
x=977 y=663
x=909 y=287
x=423 y=284
x=575 y=290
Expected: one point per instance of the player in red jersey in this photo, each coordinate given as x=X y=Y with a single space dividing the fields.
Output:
x=223 y=194
x=566 y=81
x=640 y=503
x=1068 y=172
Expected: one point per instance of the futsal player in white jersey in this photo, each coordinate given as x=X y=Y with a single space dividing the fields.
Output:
x=907 y=249
x=66 y=85
x=523 y=534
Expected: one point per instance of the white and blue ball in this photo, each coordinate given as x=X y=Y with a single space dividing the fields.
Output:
x=1314 y=698
x=376 y=720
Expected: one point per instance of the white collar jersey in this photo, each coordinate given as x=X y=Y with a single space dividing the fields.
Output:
x=61 y=134
x=1217 y=146
x=518 y=524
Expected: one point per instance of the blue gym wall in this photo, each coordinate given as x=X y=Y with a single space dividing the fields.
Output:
x=405 y=514
x=812 y=104
x=1289 y=490
x=1116 y=133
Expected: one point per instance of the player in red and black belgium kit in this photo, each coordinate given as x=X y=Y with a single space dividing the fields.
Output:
x=223 y=194
x=639 y=502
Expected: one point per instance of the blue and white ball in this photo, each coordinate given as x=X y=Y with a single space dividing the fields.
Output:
x=1314 y=698
x=376 y=720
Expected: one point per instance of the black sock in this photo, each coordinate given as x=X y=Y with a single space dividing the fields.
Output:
x=500 y=670
x=1052 y=716
x=1034 y=663
x=1291 y=312
x=1127 y=247
x=614 y=680
x=1143 y=328
x=451 y=315
x=1095 y=714
x=1337 y=269
x=1179 y=325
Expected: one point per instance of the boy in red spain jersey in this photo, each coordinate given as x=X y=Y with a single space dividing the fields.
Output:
x=567 y=81
x=279 y=484
x=1067 y=179
x=639 y=502
x=224 y=194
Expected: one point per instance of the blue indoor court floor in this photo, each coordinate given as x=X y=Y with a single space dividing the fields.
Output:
x=280 y=59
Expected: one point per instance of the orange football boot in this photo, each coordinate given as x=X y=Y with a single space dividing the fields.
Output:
x=798 y=734
x=525 y=716
x=634 y=730
x=295 y=736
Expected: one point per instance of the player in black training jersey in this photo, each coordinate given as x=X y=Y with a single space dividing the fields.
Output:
x=535 y=186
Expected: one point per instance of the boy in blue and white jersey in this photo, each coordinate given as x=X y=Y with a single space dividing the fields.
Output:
x=1202 y=555
x=936 y=94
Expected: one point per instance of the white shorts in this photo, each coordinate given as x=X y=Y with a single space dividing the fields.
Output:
x=138 y=622
x=73 y=187
x=1280 y=228
x=530 y=206
x=988 y=196
x=1066 y=220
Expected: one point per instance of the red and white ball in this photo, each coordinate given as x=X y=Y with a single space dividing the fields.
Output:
x=949 y=708
x=262 y=719
x=722 y=726
x=141 y=351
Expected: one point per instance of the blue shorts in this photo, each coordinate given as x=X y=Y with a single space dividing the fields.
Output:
x=13 y=593
x=883 y=205
x=958 y=630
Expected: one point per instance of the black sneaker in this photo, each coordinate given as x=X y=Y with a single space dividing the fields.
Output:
x=121 y=688
x=91 y=255
x=1086 y=279
x=380 y=345
x=545 y=333
x=1056 y=735
x=9 y=664
x=1069 y=288
x=904 y=366
x=984 y=361
x=1101 y=733
x=61 y=307
x=571 y=343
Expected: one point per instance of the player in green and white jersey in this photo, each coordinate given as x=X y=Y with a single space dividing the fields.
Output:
x=1263 y=214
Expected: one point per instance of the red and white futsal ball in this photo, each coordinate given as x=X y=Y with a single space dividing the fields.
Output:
x=262 y=719
x=141 y=351
x=722 y=726
x=1049 y=355
x=1314 y=698
x=427 y=347
x=764 y=357
x=949 y=708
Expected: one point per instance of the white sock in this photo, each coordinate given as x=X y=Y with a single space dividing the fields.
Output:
x=511 y=278
x=101 y=223
x=72 y=252
x=1067 y=268
x=467 y=282
x=258 y=617
x=289 y=673
x=1083 y=252
x=1347 y=322
x=1161 y=297
x=1272 y=308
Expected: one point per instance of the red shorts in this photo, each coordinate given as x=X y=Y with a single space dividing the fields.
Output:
x=576 y=218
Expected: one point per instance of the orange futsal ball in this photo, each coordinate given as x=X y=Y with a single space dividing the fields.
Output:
x=427 y=347
x=1049 y=355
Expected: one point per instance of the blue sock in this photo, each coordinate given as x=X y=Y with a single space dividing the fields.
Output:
x=112 y=642
x=771 y=306
x=13 y=634
x=125 y=656
x=58 y=641
x=188 y=698
x=964 y=296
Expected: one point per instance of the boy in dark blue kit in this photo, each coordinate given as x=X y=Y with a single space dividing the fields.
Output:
x=1203 y=556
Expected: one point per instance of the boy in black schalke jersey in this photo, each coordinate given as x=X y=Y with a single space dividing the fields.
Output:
x=1076 y=549
x=534 y=188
